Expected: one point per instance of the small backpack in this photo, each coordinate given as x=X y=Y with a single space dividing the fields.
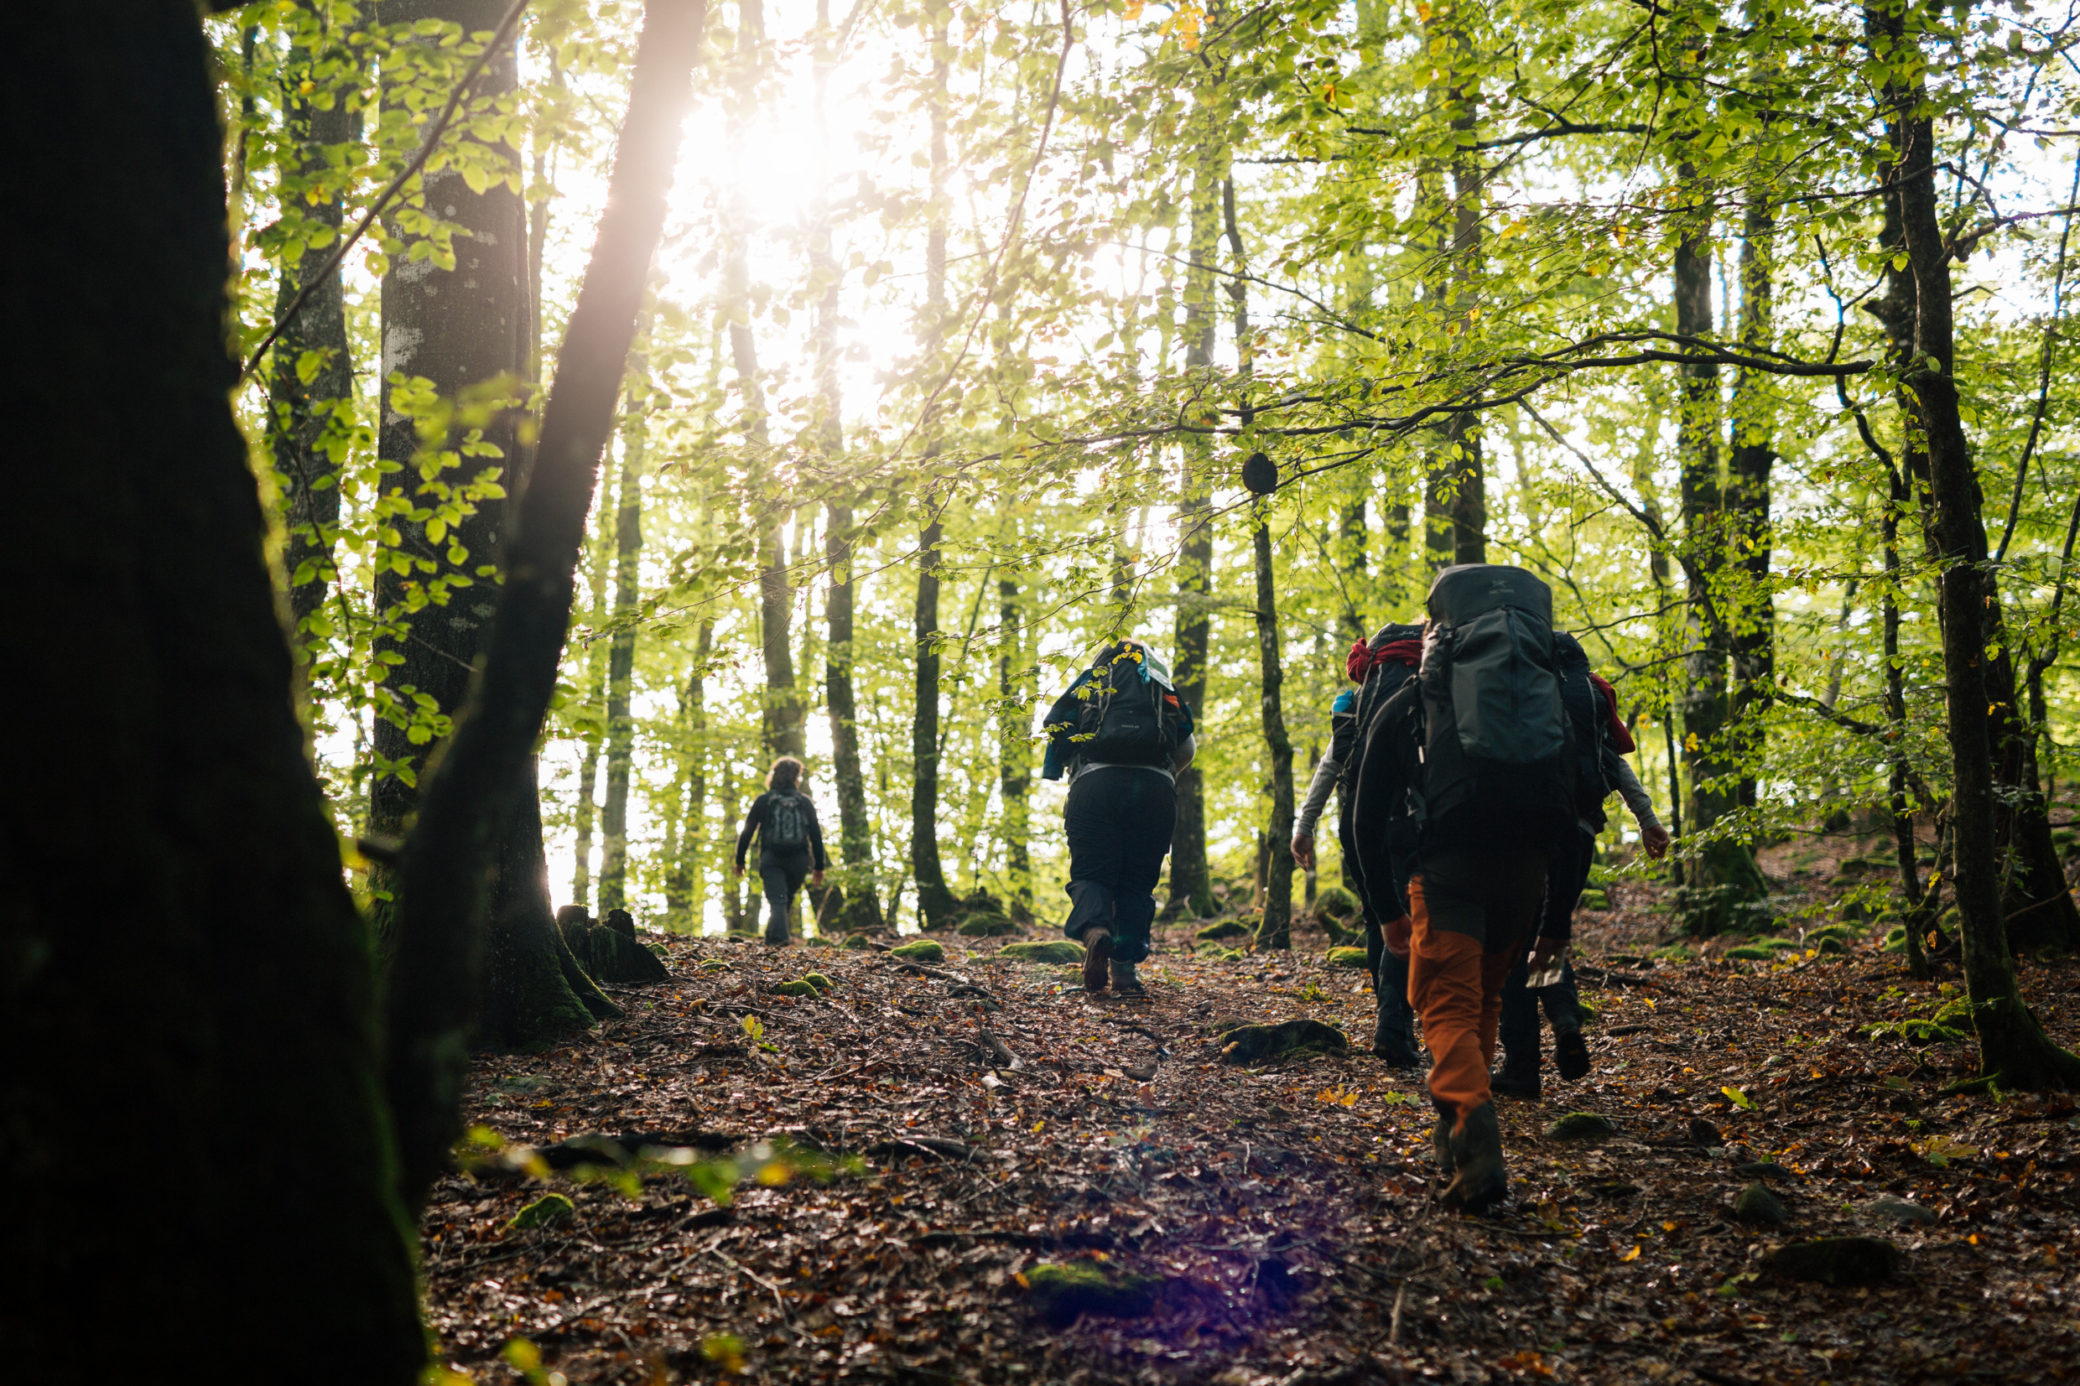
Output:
x=1128 y=718
x=1498 y=754
x=1382 y=680
x=787 y=822
x=1585 y=721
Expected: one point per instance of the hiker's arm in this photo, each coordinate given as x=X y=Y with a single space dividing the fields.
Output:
x=1326 y=772
x=817 y=854
x=756 y=816
x=1186 y=749
x=1619 y=771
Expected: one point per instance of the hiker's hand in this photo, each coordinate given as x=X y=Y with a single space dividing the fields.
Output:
x=1303 y=850
x=1543 y=951
x=1656 y=841
x=740 y=871
x=816 y=878
x=1395 y=933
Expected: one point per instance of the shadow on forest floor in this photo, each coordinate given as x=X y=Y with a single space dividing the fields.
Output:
x=1275 y=1224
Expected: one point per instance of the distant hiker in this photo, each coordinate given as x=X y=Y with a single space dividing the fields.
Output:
x=1379 y=667
x=1601 y=742
x=1475 y=750
x=1121 y=733
x=790 y=843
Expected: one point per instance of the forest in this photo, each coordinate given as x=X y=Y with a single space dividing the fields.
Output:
x=467 y=442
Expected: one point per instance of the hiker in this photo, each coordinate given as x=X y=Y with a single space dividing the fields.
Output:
x=790 y=843
x=1121 y=733
x=1379 y=667
x=1475 y=749
x=1602 y=741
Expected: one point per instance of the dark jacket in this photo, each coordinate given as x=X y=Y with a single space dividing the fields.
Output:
x=756 y=818
x=1384 y=827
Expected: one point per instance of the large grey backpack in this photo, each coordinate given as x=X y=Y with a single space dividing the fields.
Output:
x=1498 y=753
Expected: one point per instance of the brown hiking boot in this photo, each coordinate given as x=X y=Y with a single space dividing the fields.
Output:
x=1479 y=1181
x=1441 y=1143
x=1097 y=955
x=1124 y=982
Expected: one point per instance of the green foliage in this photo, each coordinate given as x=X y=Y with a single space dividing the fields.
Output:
x=550 y=1210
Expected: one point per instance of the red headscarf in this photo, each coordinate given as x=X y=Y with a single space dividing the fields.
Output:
x=1621 y=735
x=1363 y=657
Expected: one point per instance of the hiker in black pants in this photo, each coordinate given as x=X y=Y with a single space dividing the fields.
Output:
x=1601 y=740
x=790 y=843
x=1121 y=733
x=1378 y=666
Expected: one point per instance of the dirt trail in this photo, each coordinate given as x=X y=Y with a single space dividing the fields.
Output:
x=1281 y=1217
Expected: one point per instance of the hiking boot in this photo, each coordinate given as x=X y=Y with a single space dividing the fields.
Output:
x=1441 y=1143
x=1396 y=1051
x=1097 y=954
x=1124 y=982
x=1518 y=1080
x=1571 y=1053
x=1479 y=1181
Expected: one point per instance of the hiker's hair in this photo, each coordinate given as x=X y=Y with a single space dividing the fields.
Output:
x=785 y=774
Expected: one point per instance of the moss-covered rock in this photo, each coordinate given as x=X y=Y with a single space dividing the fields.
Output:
x=983 y=925
x=1838 y=1261
x=1063 y=1292
x=1337 y=903
x=859 y=941
x=797 y=987
x=1249 y=1044
x=1050 y=953
x=1346 y=957
x=1750 y=952
x=714 y=965
x=1593 y=899
x=1223 y=928
x=1756 y=1204
x=1582 y=1126
x=1780 y=945
x=920 y=950
x=1213 y=952
x=547 y=1211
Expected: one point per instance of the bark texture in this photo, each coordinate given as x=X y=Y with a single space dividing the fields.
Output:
x=178 y=943
x=451 y=854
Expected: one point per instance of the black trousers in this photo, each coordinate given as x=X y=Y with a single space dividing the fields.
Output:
x=1118 y=820
x=782 y=874
x=1520 y=1046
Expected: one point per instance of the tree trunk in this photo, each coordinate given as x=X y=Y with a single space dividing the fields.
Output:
x=783 y=717
x=621 y=652
x=1752 y=604
x=310 y=404
x=1899 y=772
x=1723 y=876
x=535 y=989
x=935 y=902
x=1191 y=881
x=459 y=329
x=1276 y=929
x=2012 y=1046
x=587 y=810
x=480 y=783
x=689 y=878
x=1015 y=747
x=182 y=955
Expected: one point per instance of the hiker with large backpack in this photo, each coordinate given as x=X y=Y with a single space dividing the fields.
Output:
x=790 y=843
x=1601 y=743
x=1475 y=749
x=1120 y=733
x=1378 y=667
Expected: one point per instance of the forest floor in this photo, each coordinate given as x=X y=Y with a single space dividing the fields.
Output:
x=1278 y=1221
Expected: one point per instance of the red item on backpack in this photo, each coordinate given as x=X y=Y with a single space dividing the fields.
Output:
x=1621 y=735
x=1363 y=657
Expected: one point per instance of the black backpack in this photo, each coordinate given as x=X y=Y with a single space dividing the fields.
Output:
x=1127 y=718
x=787 y=822
x=1498 y=754
x=1382 y=681
x=1585 y=720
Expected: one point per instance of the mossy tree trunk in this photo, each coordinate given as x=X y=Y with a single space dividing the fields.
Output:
x=2013 y=1048
x=182 y=954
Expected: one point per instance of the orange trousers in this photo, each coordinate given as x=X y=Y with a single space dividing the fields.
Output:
x=1474 y=911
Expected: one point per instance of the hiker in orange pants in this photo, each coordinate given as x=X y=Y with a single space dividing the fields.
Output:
x=1471 y=912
